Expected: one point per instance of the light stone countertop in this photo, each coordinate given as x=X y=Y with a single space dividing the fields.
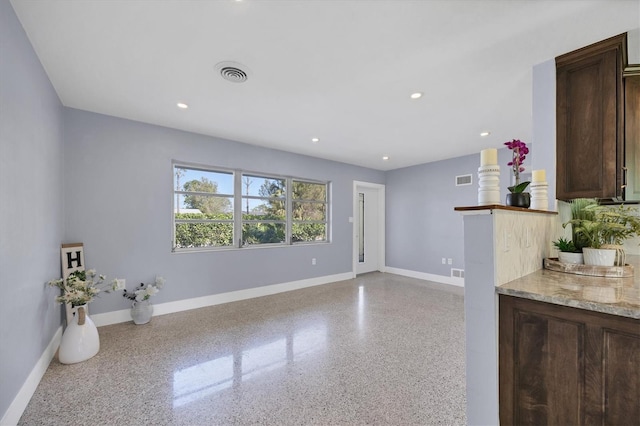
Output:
x=616 y=296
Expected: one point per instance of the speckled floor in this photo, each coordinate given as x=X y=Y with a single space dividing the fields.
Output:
x=379 y=349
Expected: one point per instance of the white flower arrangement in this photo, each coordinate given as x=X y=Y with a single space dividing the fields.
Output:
x=81 y=287
x=144 y=291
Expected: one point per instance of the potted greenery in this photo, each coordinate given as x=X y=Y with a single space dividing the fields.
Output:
x=568 y=251
x=604 y=229
x=581 y=210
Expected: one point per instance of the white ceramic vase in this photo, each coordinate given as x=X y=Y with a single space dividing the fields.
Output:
x=80 y=340
x=141 y=312
x=599 y=257
x=566 y=257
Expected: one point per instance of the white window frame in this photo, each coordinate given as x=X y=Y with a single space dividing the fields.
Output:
x=326 y=204
x=285 y=222
x=191 y=166
x=238 y=198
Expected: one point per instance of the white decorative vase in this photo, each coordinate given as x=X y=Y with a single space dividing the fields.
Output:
x=80 y=340
x=566 y=257
x=489 y=185
x=141 y=312
x=599 y=257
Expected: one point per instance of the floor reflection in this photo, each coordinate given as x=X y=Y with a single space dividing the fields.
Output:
x=361 y=309
x=198 y=381
x=202 y=379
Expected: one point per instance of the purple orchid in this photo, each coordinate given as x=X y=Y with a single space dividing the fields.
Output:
x=520 y=152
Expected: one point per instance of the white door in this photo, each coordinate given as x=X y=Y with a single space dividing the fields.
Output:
x=367 y=223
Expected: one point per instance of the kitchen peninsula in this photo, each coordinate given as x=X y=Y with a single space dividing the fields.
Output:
x=569 y=344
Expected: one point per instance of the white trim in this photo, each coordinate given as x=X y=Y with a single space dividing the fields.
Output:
x=124 y=315
x=458 y=282
x=20 y=402
x=381 y=224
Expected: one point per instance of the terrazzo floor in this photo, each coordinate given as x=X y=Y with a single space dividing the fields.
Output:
x=379 y=349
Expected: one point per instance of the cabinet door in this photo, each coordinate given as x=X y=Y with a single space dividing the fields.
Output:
x=560 y=365
x=589 y=112
x=541 y=367
x=620 y=390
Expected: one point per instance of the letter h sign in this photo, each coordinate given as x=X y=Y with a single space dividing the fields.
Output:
x=72 y=258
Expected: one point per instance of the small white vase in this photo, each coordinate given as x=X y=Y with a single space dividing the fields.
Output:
x=141 y=312
x=80 y=340
x=566 y=257
x=599 y=257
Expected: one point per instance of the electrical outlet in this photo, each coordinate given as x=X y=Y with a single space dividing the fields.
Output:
x=121 y=283
x=313 y=261
x=449 y=261
x=444 y=261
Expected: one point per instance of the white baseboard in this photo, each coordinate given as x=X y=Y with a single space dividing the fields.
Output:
x=19 y=403
x=124 y=315
x=458 y=282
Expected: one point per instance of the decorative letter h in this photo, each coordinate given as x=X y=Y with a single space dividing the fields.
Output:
x=70 y=260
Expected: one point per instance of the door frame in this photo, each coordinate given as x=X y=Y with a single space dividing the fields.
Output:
x=380 y=188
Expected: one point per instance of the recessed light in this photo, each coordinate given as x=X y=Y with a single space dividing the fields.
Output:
x=484 y=134
x=416 y=95
x=314 y=140
x=182 y=105
x=385 y=158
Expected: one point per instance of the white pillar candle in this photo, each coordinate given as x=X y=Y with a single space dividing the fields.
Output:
x=539 y=176
x=489 y=157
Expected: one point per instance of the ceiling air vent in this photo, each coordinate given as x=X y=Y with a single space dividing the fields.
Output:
x=463 y=180
x=233 y=72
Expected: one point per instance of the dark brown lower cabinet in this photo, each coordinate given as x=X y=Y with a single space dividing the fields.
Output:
x=567 y=366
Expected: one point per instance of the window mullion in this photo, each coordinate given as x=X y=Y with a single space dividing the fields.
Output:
x=327 y=212
x=237 y=209
x=288 y=193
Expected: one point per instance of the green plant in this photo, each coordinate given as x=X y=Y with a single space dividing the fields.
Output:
x=580 y=211
x=605 y=225
x=579 y=208
x=565 y=246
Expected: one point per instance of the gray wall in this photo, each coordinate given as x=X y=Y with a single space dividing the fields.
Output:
x=422 y=226
x=120 y=187
x=31 y=209
x=544 y=124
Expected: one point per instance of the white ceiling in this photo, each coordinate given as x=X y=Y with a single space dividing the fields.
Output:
x=341 y=71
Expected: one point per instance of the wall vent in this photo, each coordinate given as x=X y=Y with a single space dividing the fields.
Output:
x=464 y=180
x=457 y=273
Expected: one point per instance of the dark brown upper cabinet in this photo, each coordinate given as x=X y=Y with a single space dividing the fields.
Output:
x=590 y=121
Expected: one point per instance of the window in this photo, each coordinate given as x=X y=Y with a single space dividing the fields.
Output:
x=309 y=211
x=228 y=208
x=264 y=217
x=203 y=208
